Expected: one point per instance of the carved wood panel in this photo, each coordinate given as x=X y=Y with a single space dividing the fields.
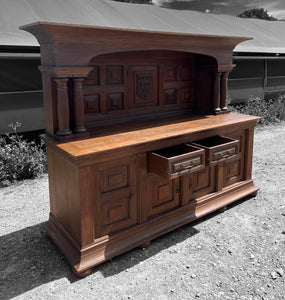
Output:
x=162 y=195
x=131 y=83
x=93 y=77
x=143 y=86
x=233 y=171
x=198 y=184
x=115 y=101
x=117 y=202
x=92 y=104
x=114 y=75
x=170 y=96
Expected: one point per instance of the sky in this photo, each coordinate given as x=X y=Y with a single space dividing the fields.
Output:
x=275 y=8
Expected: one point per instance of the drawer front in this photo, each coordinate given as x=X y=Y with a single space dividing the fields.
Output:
x=190 y=165
x=176 y=161
x=219 y=149
x=229 y=151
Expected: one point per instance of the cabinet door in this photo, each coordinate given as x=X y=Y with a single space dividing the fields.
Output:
x=162 y=194
x=197 y=184
x=116 y=204
x=233 y=170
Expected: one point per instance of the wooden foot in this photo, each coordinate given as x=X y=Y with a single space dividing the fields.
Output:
x=82 y=274
x=144 y=245
x=254 y=194
x=222 y=209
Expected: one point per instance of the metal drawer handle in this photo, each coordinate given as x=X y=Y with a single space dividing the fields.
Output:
x=187 y=167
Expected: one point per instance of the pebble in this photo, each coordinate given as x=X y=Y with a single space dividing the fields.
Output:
x=274 y=275
x=230 y=251
x=280 y=272
x=283 y=214
x=193 y=275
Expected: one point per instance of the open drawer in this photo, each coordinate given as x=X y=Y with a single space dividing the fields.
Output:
x=218 y=149
x=176 y=161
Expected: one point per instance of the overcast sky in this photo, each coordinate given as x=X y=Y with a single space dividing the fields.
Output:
x=232 y=7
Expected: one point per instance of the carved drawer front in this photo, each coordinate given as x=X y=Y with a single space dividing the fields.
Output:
x=176 y=161
x=219 y=149
x=116 y=203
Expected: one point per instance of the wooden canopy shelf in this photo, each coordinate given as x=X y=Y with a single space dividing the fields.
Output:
x=138 y=135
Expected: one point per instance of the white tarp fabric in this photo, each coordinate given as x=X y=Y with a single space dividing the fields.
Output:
x=269 y=36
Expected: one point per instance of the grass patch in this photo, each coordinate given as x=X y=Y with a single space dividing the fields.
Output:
x=270 y=111
x=19 y=158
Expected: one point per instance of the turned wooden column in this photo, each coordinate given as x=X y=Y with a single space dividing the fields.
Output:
x=78 y=105
x=224 y=90
x=217 y=93
x=63 y=116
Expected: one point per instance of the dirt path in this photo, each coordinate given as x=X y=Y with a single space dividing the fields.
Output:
x=238 y=254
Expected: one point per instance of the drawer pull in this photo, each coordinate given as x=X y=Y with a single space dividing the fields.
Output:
x=184 y=167
x=226 y=155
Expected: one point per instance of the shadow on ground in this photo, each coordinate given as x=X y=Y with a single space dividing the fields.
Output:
x=29 y=258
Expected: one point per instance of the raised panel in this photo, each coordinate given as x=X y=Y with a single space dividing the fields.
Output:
x=115 y=211
x=170 y=96
x=114 y=178
x=186 y=73
x=197 y=184
x=116 y=202
x=201 y=179
x=232 y=172
x=186 y=95
x=163 y=195
x=114 y=75
x=93 y=77
x=118 y=210
x=114 y=101
x=92 y=104
x=170 y=73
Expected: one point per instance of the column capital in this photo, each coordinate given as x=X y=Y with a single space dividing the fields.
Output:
x=71 y=72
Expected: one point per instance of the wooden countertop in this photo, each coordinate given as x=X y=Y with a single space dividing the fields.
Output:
x=149 y=130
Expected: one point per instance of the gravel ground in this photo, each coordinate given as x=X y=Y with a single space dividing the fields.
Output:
x=238 y=254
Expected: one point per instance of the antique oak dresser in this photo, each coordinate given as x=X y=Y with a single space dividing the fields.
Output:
x=138 y=135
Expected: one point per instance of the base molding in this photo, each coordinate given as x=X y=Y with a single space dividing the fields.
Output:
x=82 y=259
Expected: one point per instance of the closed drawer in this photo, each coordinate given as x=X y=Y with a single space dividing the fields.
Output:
x=176 y=161
x=218 y=149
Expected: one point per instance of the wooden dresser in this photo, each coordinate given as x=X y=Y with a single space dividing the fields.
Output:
x=138 y=135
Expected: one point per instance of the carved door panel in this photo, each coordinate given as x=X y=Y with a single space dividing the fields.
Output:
x=197 y=184
x=162 y=195
x=233 y=171
x=116 y=202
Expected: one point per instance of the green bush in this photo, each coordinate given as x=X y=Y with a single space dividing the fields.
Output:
x=270 y=111
x=20 y=159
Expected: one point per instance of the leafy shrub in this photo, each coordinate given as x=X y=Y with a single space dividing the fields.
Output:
x=20 y=159
x=270 y=111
